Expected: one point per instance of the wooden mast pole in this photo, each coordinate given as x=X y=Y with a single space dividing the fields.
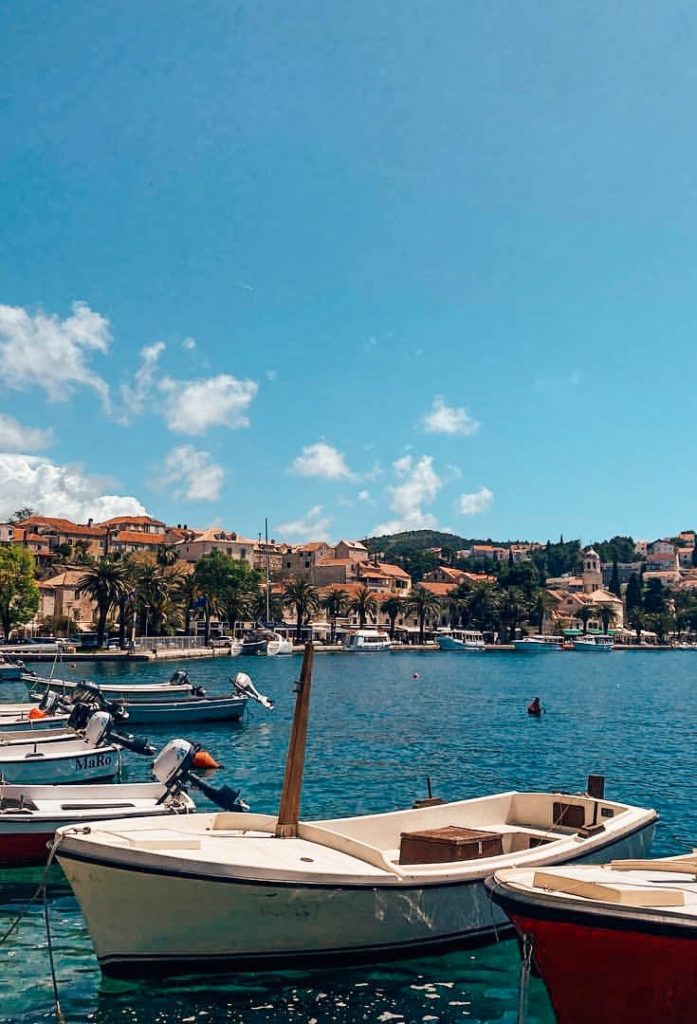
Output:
x=289 y=810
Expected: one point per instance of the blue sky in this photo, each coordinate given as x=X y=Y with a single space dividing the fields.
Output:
x=350 y=266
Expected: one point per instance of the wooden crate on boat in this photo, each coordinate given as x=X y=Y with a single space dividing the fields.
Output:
x=451 y=843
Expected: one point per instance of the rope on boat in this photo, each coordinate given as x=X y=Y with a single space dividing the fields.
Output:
x=524 y=980
x=41 y=891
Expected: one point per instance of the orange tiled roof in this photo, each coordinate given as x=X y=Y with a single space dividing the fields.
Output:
x=135 y=537
x=65 y=526
x=439 y=589
x=145 y=520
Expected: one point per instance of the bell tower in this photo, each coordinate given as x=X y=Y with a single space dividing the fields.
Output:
x=592 y=573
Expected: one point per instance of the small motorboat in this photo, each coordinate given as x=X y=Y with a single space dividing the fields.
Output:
x=467 y=640
x=255 y=642
x=603 y=644
x=364 y=641
x=30 y=815
x=538 y=644
x=360 y=888
x=178 y=687
x=63 y=760
x=279 y=646
x=616 y=942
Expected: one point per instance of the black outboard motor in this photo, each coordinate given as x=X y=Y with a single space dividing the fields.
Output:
x=99 y=729
x=173 y=767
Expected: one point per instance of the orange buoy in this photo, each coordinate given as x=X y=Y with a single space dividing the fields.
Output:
x=36 y=713
x=202 y=759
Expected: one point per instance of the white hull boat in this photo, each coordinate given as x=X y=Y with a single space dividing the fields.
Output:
x=10 y=672
x=178 y=688
x=594 y=644
x=280 y=646
x=538 y=644
x=468 y=640
x=75 y=761
x=30 y=815
x=213 y=890
x=365 y=641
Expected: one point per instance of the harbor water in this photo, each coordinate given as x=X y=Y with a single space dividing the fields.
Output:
x=380 y=724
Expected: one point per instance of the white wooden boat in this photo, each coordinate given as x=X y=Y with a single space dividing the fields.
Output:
x=30 y=815
x=538 y=644
x=594 y=644
x=616 y=942
x=177 y=688
x=279 y=646
x=467 y=640
x=339 y=890
x=364 y=641
x=70 y=761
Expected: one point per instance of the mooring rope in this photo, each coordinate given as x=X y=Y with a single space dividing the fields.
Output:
x=524 y=980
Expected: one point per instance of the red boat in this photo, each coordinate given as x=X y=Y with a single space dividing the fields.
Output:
x=614 y=943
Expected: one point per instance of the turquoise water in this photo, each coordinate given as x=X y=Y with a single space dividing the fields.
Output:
x=375 y=734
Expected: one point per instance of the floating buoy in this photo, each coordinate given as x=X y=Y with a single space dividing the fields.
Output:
x=415 y=675
x=36 y=713
x=202 y=759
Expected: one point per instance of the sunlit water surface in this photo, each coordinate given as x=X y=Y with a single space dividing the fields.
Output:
x=376 y=732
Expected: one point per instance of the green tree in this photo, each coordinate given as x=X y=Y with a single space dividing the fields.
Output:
x=483 y=606
x=303 y=597
x=19 y=593
x=105 y=582
x=335 y=603
x=241 y=593
x=608 y=615
x=167 y=555
x=364 y=606
x=542 y=607
x=654 y=598
x=634 y=596
x=20 y=515
x=512 y=606
x=186 y=593
x=585 y=615
x=614 y=587
x=392 y=607
x=424 y=604
x=212 y=577
x=637 y=620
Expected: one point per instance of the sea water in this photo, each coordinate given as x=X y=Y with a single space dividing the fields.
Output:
x=380 y=725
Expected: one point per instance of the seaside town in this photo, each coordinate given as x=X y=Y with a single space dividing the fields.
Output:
x=137 y=578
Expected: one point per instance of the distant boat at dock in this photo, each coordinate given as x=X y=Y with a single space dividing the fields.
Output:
x=469 y=640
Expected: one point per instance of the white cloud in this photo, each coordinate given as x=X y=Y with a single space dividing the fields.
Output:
x=446 y=419
x=419 y=486
x=189 y=344
x=192 y=474
x=476 y=502
x=193 y=406
x=312 y=526
x=135 y=395
x=56 y=490
x=364 y=496
x=322 y=460
x=43 y=351
x=16 y=438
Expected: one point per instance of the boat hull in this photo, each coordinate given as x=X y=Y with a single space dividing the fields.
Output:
x=449 y=643
x=199 y=922
x=102 y=763
x=592 y=648
x=620 y=969
x=534 y=648
x=220 y=709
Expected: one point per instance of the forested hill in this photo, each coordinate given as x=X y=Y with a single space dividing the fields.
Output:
x=419 y=540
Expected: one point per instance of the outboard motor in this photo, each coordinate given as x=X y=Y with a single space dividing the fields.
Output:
x=172 y=767
x=97 y=729
x=91 y=694
x=179 y=678
x=50 y=702
x=243 y=685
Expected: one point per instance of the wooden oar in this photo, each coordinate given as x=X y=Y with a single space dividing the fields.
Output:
x=289 y=811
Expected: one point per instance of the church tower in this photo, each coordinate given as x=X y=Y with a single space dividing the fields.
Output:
x=592 y=574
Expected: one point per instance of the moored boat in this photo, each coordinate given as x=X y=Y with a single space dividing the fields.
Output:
x=468 y=640
x=363 y=641
x=351 y=888
x=594 y=643
x=179 y=687
x=10 y=670
x=279 y=646
x=539 y=644
x=617 y=942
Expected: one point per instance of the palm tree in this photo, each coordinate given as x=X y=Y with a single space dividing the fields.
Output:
x=167 y=555
x=512 y=609
x=105 y=581
x=607 y=617
x=335 y=604
x=423 y=604
x=585 y=615
x=363 y=605
x=482 y=605
x=637 y=620
x=304 y=598
x=186 y=593
x=392 y=607
x=543 y=606
x=152 y=596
